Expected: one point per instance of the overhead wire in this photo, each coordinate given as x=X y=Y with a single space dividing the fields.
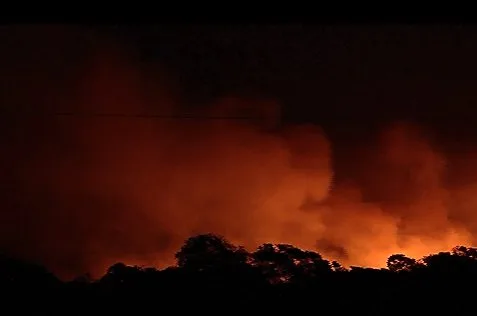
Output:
x=129 y=115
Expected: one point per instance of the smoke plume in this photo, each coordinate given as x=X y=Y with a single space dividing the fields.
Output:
x=83 y=191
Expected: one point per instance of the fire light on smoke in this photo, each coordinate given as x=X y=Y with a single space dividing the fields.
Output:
x=90 y=191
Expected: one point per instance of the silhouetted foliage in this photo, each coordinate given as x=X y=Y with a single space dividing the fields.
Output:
x=209 y=251
x=20 y=272
x=211 y=272
x=401 y=263
x=458 y=262
x=285 y=263
x=462 y=251
x=337 y=267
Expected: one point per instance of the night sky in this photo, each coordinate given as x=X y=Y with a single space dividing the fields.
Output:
x=350 y=79
x=335 y=75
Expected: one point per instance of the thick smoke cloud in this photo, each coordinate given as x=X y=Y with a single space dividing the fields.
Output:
x=82 y=192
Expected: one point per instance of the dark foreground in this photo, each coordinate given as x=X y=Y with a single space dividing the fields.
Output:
x=215 y=277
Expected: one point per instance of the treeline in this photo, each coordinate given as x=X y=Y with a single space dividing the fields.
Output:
x=215 y=276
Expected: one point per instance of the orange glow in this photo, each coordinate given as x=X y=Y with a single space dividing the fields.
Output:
x=101 y=190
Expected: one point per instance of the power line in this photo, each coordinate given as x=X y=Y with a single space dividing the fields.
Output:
x=132 y=115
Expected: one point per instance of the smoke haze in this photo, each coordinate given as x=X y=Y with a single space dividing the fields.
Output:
x=82 y=192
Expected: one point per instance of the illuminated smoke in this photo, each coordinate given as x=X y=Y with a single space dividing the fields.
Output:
x=83 y=192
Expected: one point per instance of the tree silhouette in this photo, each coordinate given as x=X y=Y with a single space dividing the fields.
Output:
x=337 y=267
x=462 y=251
x=285 y=263
x=458 y=262
x=122 y=276
x=211 y=272
x=208 y=251
x=83 y=279
x=20 y=272
x=401 y=263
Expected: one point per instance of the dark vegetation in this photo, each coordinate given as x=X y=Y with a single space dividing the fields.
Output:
x=214 y=276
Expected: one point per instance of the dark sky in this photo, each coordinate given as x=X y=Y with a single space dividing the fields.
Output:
x=326 y=74
x=351 y=80
x=332 y=75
